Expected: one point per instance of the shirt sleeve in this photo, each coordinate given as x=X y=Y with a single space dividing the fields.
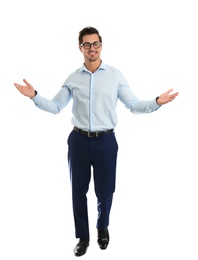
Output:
x=56 y=104
x=129 y=99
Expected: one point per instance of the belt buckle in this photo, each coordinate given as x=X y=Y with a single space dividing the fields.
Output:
x=89 y=134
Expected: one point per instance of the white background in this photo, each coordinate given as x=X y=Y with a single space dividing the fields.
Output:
x=154 y=214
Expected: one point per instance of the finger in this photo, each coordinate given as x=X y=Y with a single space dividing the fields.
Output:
x=174 y=95
x=169 y=91
x=25 y=81
x=18 y=86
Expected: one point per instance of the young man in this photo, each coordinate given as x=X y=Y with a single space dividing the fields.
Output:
x=95 y=89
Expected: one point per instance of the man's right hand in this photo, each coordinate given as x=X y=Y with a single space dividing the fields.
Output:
x=27 y=89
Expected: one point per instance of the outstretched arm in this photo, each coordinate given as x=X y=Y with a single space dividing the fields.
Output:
x=53 y=106
x=166 y=97
x=27 y=89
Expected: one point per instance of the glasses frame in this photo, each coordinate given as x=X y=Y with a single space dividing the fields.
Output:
x=91 y=44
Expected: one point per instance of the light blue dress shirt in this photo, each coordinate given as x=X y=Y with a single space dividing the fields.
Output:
x=95 y=96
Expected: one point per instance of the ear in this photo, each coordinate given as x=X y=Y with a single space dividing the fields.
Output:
x=80 y=48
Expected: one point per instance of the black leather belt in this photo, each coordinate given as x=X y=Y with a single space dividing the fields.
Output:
x=92 y=134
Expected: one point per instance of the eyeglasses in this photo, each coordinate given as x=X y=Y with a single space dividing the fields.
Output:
x=88 y=45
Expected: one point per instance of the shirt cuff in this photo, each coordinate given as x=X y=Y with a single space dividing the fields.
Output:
x=37 y=98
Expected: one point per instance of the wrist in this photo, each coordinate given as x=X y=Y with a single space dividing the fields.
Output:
x=35 y=93
x=158 y=102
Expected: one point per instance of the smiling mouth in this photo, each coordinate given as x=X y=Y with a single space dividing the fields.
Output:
x=92 y=52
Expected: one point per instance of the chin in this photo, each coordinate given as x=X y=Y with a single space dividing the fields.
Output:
x=93 y=59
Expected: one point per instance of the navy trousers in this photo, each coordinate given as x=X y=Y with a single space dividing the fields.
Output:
x=84 y=154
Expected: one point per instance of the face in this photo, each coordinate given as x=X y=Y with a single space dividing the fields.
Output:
x=91 y=54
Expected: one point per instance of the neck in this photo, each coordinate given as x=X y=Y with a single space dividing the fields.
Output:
x=93 y=65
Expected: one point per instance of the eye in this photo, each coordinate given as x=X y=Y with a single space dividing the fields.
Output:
x=97 y=45
x=87 y=45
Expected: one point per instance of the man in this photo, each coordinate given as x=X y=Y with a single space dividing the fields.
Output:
x=95 y=89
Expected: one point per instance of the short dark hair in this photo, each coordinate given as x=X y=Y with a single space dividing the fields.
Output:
x=88 y=30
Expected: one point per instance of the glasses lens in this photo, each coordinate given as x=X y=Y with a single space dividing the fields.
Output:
x=87 y=45
x=96 y=45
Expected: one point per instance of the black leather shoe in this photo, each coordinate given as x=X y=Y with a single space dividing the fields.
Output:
x=103 y=238
x=81 y=247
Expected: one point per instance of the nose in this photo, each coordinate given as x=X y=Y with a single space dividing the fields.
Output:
x=91 y=46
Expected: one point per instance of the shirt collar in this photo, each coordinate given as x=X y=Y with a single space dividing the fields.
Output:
x=101 y=67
